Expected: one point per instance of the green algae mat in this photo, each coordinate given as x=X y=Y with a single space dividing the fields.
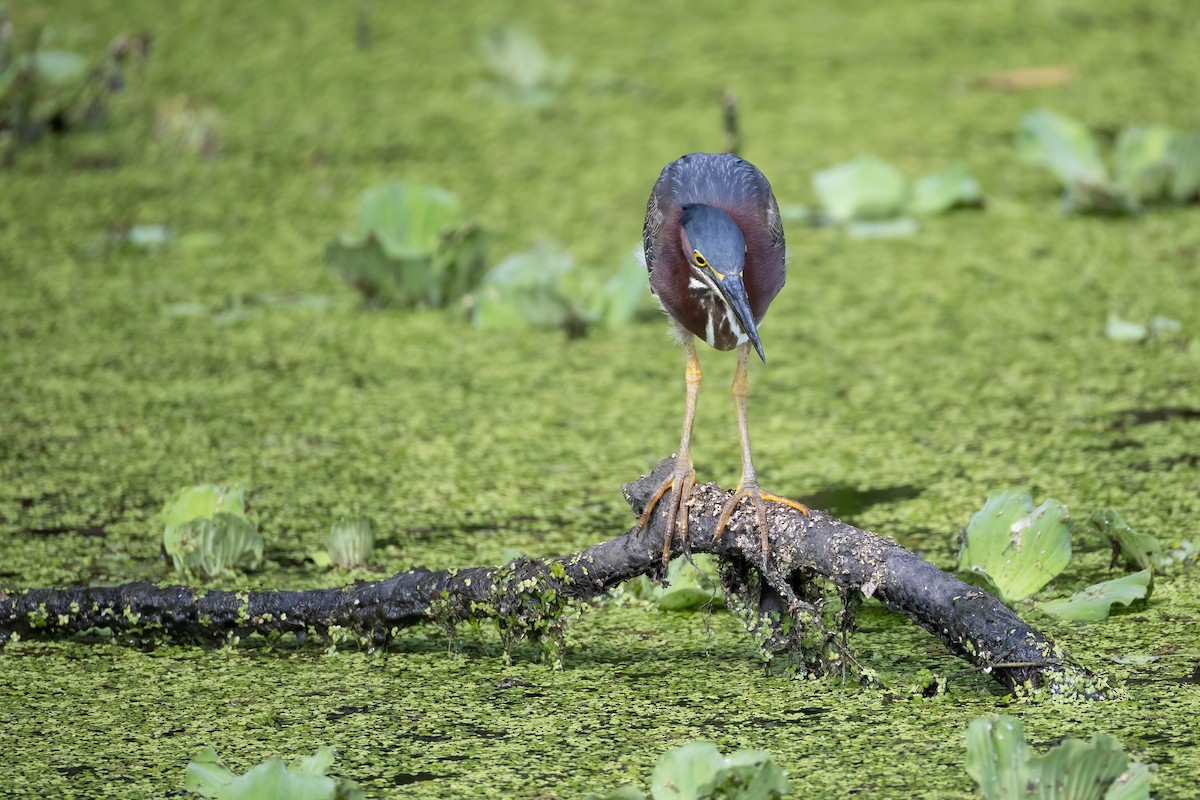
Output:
x=908 y=379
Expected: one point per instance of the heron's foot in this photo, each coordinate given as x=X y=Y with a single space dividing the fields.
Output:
x=749 y=489
x=680 y=485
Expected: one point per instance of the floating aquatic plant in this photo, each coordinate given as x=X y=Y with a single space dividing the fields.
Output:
x=688 y=585
x=351 y=542
x=305 y=779
x=208 y=533
x=412 y=246
x=697 y=770
x=523 y=71
x=1016 y=547
x=543 y=288
x=1094 y=603
x=1000 y=762
x=1152 y=164
x=873 y=198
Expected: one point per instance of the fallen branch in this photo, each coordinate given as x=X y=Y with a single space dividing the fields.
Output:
x=526 y=597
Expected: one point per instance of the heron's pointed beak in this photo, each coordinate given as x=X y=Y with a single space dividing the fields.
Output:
x=734 y=289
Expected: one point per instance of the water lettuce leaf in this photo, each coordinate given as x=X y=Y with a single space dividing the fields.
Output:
x=938 y=193
x=1094 y=603
x=523 y=71
x=270 y=780
x=1142 y=161
x=1016 y=547
x=867 y=188
x=207 y=532
x=351 y=542
x=698 y=770
x=1000 y=762
x=411 y=246
x=689 y=585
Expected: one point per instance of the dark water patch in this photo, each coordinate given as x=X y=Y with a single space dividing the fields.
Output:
x=1116 y=445
x=91 y=531
x=847 y=502
x=346 y=711
x=76 y=770
x=405 y=778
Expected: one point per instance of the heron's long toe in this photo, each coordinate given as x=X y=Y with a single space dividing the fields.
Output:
x=680 y=485
x=749 y=489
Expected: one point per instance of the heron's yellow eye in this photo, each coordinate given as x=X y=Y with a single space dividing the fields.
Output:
x=699 y=259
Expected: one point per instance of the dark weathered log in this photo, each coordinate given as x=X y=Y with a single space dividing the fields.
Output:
x=525 y=597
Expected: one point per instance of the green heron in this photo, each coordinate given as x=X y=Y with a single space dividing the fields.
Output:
x=715 y=251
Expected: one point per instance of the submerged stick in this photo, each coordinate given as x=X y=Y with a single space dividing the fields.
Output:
x=526 y=596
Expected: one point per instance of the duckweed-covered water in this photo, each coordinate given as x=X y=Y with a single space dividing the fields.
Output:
x=907 y=378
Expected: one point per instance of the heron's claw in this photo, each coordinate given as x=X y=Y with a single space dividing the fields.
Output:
x=681 y=484
x=748 y=489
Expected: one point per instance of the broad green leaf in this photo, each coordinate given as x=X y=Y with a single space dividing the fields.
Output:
x=525 y=73
x=1018 y=548
x=406 y=219
x=351 y=542
x=1000 y=762
x=1185 y=167
x=942 y=191
x=58 y=67
x=1139 y=550
x=698 y=770
x=1068 y=149
x=411 y=246
x=1142 y=161
x=207 y=532
x=1063 y=145
x=1121 y=330
x=689 y=585
x=270 y=780
x=683 y=773
x=867 y=188
x=1094 y=603
x=525 y=290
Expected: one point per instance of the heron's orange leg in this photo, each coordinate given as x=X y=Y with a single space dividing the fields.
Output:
x=683 y=480
x=748 y=485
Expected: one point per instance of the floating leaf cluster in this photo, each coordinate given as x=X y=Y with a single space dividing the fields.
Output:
x=304 y=779
x=873 y=198
x=1014 y=546
x=522 y=71
x=1151 y=164
x=412 y=246
x=697 y=770
x=543 y=288
x=1000 y=762
x=208 y=533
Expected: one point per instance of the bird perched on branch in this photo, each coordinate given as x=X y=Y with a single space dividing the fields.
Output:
x=714 y=248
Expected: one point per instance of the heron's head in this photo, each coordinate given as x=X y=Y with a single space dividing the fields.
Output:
x=713 y=243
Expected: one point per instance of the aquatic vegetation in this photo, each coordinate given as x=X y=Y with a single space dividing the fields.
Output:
x=1000 y=762
x=697 y=770
x=1152 y=164
x=523 y=72
x=305 y=779
x=689 y=585
x=1120 y=330
x=351 y=542
x=412 y=246
x=1018 y=549
x=1093 y=603
x=543 y=288
x=873 y=198
x=45 y=89
x=208 y=533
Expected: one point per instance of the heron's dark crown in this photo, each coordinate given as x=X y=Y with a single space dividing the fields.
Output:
x=714 y=233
